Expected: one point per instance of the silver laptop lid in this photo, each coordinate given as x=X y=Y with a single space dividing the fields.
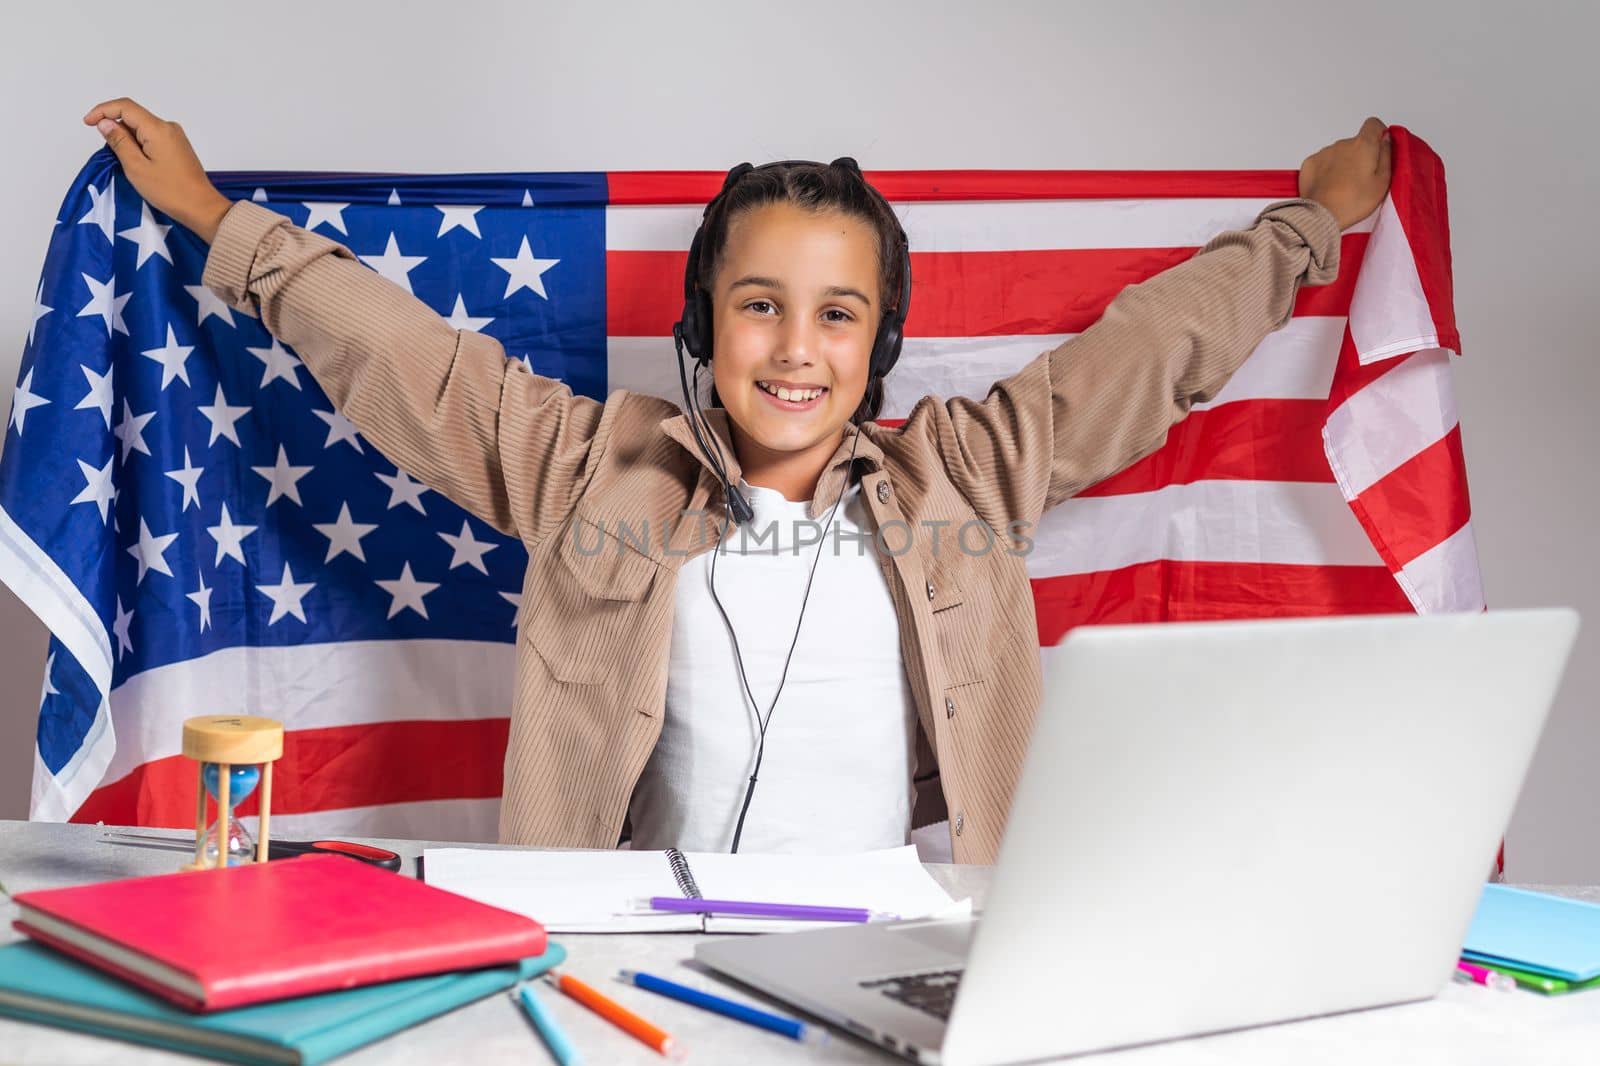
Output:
x=1224 y=824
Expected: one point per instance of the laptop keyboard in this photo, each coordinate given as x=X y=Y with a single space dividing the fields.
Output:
x=932 y=993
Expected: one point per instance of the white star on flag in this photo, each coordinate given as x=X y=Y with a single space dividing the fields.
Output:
x=130 y=431
x=49 y=681
x=39 y=311
x=188 y=476
x=150 y=235
x=120 y=628
x=97 y=488
x=283 y=478
x=222 y=418
x=210 y=304
x=467 y=551
x=515 y=600
x=25 y=400
x=332 y=214
x=344 y=535
x=406 y=591
x=99 y=394
x=526 y=271
x=202 y=599
x=465 y=217
x=173 y=358
x=403 y=490
x=394 y=266
x=280 y=364
x=104 y=301
x=459 y=318
x=286 y=596
x=149 y=552
x=340 y=428
x=229 y=537
x=102 y=211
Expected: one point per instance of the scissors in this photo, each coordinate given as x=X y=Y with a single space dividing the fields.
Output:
x=276 y=849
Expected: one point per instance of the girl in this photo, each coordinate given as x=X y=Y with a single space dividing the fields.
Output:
x=647 y=681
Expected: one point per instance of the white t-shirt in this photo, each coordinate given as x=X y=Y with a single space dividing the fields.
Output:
x=841 y=743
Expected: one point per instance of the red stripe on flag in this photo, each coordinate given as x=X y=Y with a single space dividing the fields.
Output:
x=644 y=292
x=1168 y=590
x=1225 y=443
x=967 y=294
x=986 y=294
x=327 y=769
x=1424 y=212
x=1419 y=504
x=699 y=186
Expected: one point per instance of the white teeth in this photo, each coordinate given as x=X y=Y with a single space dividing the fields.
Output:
x=792 y=395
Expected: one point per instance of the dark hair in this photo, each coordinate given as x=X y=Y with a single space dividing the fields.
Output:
x=815 y=187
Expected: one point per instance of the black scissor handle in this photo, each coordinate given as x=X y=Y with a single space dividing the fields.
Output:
x=373 y=856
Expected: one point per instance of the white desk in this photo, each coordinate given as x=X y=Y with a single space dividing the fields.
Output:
x=1464 y=1025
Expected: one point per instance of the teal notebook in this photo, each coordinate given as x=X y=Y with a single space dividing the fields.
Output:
x=38 y=984
x=1537 y=932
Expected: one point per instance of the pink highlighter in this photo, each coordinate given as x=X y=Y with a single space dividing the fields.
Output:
x=1482 y=975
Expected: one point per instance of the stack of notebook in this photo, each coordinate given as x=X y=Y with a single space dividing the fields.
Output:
x=266 y=963
x=1547 y=943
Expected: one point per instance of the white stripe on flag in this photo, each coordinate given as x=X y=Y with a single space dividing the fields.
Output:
x=1391 y=420
x=992 y=225
x=312 y=686
x=447 y=819
x=1446 y=577
x=46 y=590
x=1293 y=522
x=1294 y=363
x=1389 y=314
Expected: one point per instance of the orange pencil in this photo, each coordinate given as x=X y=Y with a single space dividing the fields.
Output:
x=618 y=1015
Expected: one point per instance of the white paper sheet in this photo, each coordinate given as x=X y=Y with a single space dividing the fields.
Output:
x=593 y=891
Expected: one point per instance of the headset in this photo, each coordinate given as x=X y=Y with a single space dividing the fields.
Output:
x=693 y=331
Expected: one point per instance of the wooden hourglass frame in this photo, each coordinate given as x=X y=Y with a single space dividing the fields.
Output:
x=229 y=741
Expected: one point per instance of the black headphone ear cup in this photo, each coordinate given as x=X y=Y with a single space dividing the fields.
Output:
x=887 y=351
x=891 y=333
x=702 y=324
x=691 y=329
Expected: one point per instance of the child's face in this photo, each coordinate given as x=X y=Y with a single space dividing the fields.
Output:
x=796 y=306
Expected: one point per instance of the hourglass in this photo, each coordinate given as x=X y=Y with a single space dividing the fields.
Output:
x=235 y=755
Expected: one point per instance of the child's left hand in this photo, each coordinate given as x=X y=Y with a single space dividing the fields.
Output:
x=1350 y=177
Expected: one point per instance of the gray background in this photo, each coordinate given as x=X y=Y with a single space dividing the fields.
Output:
x=1506 y=96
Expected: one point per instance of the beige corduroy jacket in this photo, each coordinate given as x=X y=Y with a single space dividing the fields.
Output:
x=564 y=473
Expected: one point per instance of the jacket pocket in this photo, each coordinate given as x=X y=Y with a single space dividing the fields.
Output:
x=591 y=604
x=960 y=608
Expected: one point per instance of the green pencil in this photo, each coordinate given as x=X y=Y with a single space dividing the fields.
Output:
x=1550 y=986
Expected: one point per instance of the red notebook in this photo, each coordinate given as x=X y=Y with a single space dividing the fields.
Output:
x=209 y=939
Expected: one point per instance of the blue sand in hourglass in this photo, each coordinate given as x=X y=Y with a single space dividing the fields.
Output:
x=242 y=780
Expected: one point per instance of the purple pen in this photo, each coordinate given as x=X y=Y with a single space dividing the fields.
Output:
x=800 y=912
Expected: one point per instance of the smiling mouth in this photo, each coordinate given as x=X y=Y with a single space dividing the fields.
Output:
x=794 y=399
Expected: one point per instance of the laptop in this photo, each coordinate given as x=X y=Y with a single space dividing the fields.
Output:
x=1218 y=825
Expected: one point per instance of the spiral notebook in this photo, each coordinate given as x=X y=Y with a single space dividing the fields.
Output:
x=594 y=891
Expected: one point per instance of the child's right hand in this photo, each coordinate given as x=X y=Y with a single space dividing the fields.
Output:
x=157 y=158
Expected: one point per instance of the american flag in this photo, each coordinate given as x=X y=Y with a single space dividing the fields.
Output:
x=203 y=533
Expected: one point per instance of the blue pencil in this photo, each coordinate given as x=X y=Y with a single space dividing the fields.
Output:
x=777 y=1023
x=561 y=1048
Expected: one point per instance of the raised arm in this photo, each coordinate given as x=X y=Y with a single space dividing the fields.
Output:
x=1096 y=403
x=445 y=405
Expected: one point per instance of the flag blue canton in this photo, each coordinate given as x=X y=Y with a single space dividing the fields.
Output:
x=177 y=483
